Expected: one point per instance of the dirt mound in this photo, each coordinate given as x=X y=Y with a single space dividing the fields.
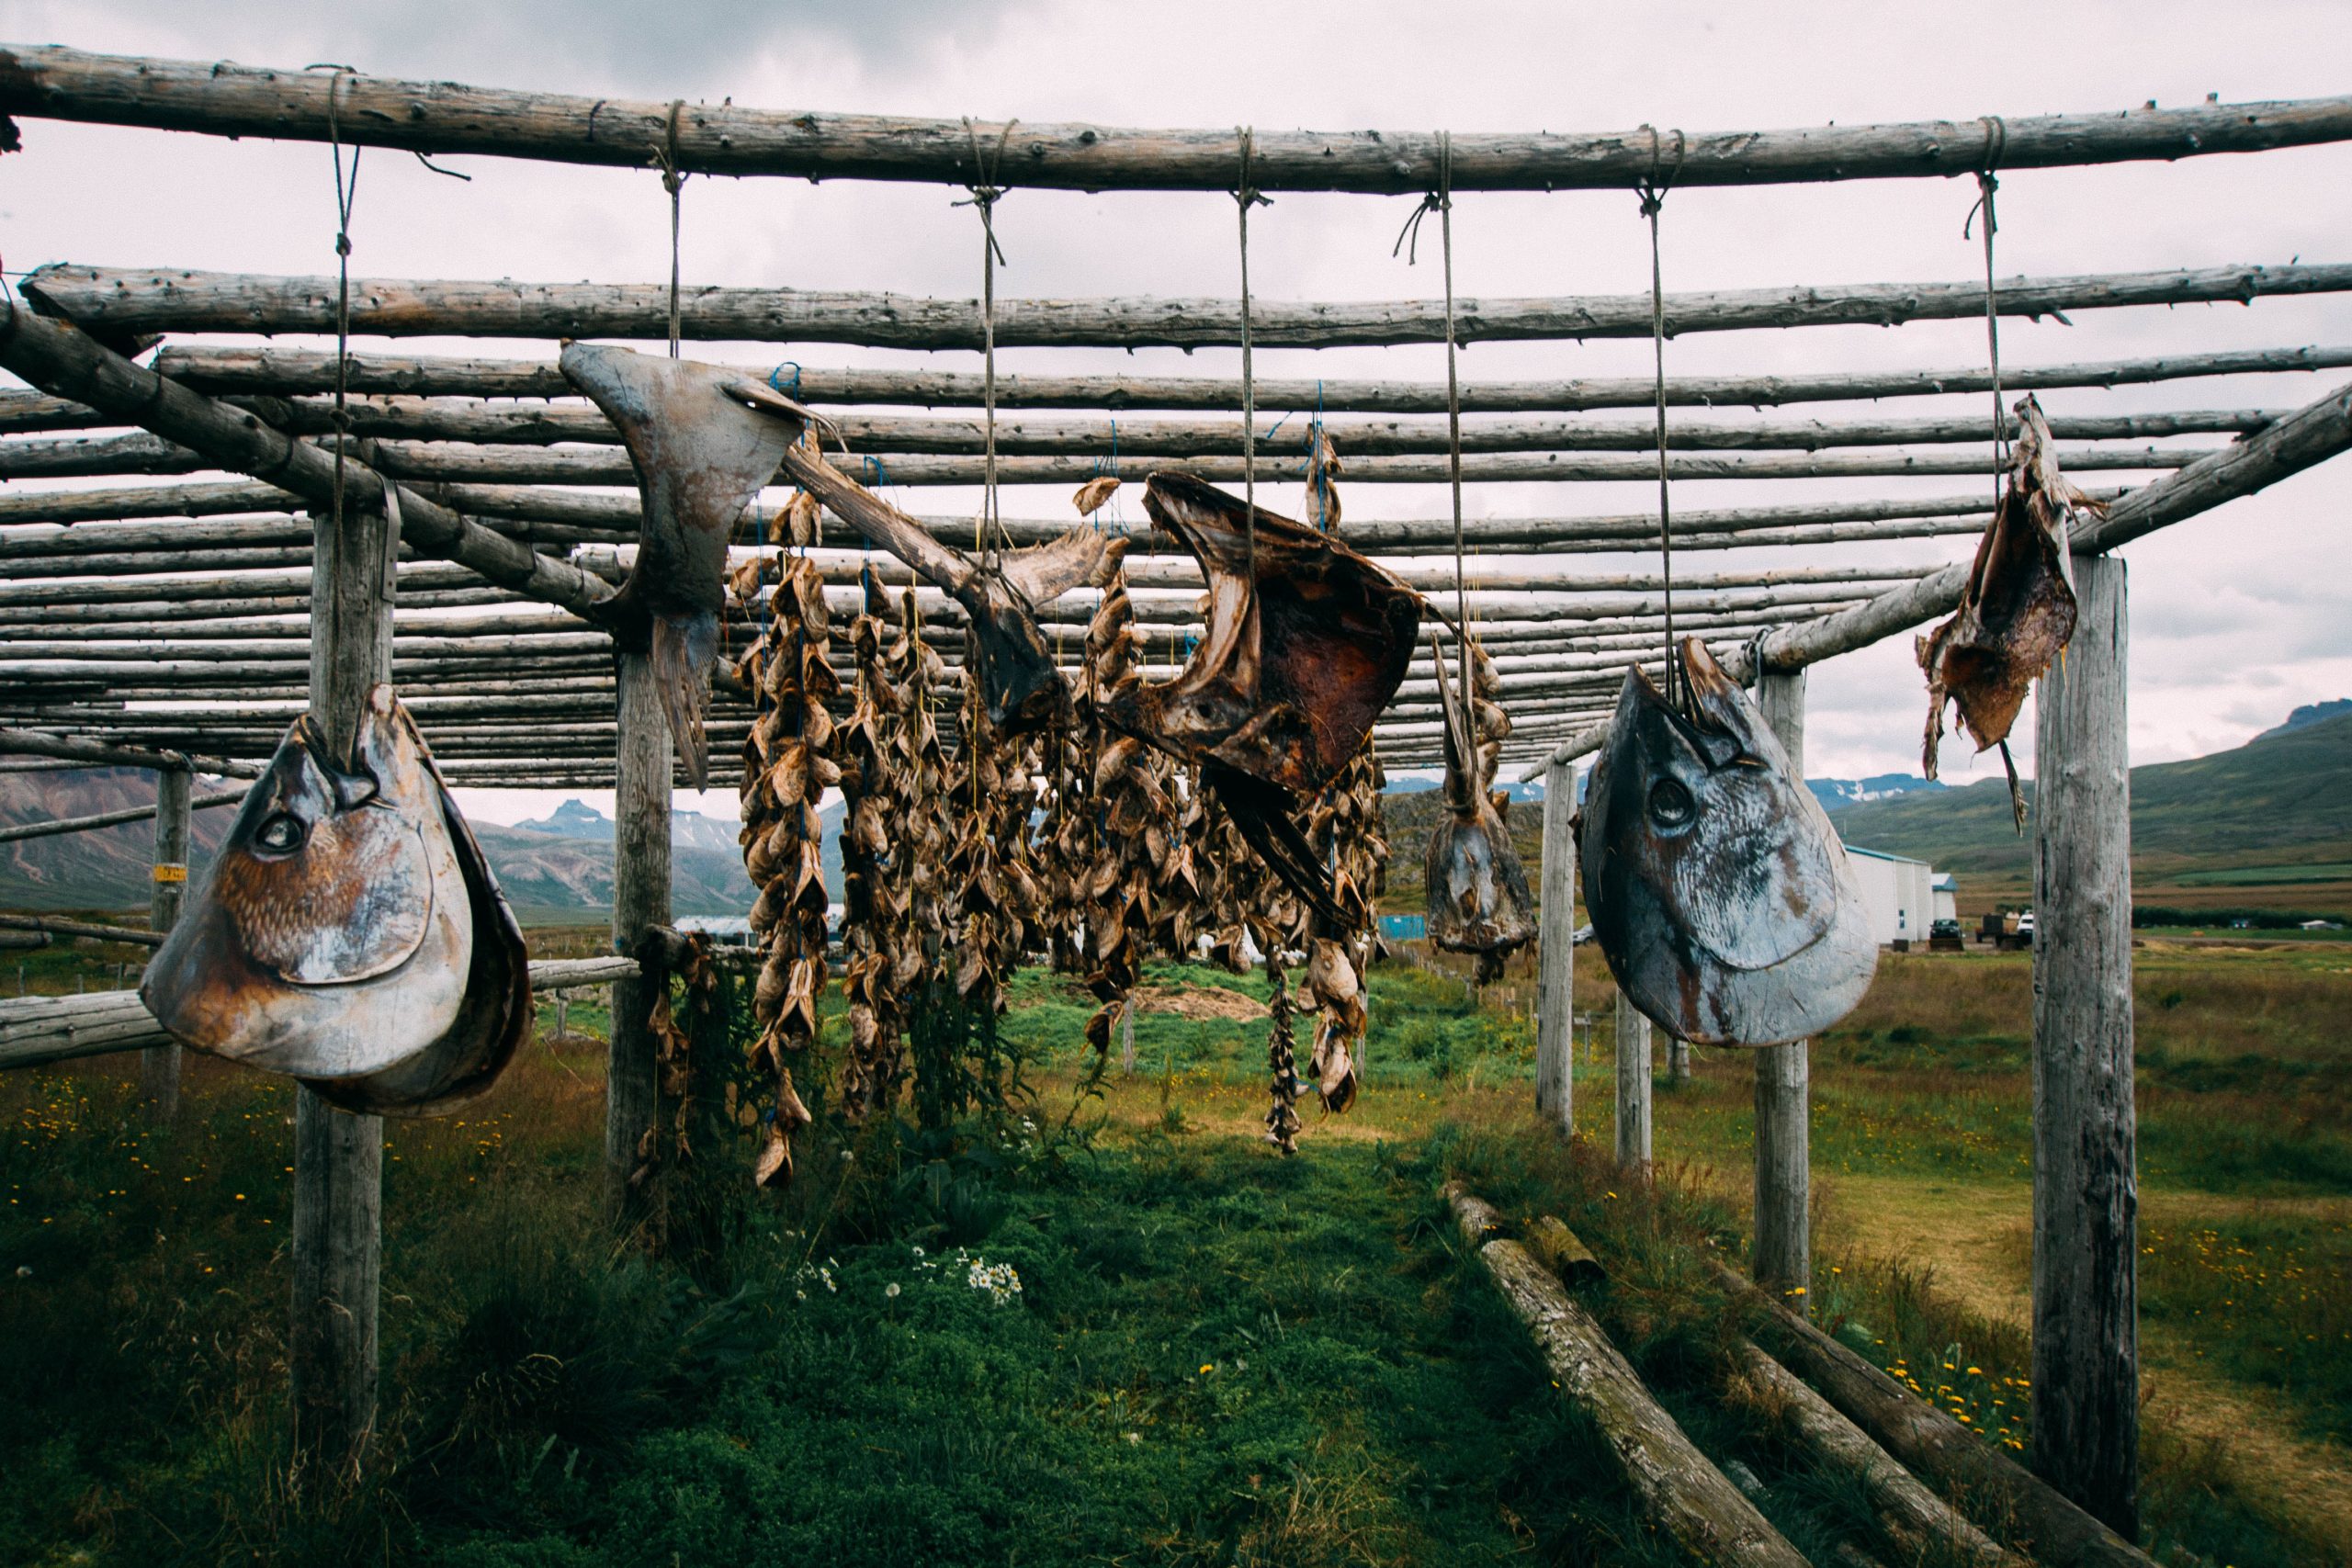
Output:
x=1198 y=1002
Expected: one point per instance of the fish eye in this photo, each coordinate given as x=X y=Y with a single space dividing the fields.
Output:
x=280 y=833
x=1670 y=803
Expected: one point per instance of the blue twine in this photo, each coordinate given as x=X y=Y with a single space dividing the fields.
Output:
x=793 y=390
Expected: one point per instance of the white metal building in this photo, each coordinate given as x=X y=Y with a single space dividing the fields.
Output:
x=1946 y=892
x=1899 y=893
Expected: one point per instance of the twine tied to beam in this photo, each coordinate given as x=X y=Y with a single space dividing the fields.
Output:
x=1246 y=196
x=674 y=180
x=986 y=193
x=1997 y=141
x=1653 y=191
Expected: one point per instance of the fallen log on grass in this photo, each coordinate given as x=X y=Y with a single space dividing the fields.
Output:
x=1935 y=1447
x=1693 y=1501
x=1920 y=1522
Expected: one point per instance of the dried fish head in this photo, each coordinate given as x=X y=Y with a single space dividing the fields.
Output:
x=1476 y=887
x=702 y=453
x=1719 y=891
x=350 y=931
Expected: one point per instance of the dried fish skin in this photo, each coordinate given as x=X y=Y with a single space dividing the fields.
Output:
x=1307 y=641
x=2017 y=609
x=1719 y=892
x=701 y=453
x=350 y=931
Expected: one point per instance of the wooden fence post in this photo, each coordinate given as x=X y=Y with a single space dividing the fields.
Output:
x=159 y=1065
x=1556 y=953
x=640 y=900
x=2086 y=1184
x=1782 y=1257
x=339 y=1157
x=1633 y=1089
x=1678 y=1060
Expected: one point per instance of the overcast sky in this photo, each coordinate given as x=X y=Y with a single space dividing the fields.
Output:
x=2237 y=617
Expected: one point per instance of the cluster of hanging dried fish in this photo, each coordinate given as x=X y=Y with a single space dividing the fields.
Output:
x=890 y=780
x=674 y=1065
x=1477 y=897
x=991 y=893
x=2017 y=609
x=788 y=764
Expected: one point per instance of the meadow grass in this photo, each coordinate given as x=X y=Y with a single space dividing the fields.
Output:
x=1214 y=1355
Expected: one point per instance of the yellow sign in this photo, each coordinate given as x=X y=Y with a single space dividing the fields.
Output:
x=171 y=874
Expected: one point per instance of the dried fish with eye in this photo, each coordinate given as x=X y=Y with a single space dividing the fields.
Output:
x=350 y=932
x=2017 y=609
x=1477 y=896
x=1306 y=642
x=1719 y=892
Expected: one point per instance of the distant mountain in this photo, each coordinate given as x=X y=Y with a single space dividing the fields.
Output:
x=1836 y=792
x=2310 y=714
x=2283 y=798
x=578 y=819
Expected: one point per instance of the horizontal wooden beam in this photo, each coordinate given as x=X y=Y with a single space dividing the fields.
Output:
x=223 y=98
x=125 y=302
x=543 y=423
x=32 y=743
x=285 y=372
x=109 y=818
x=38 y=1031
x=60 y=359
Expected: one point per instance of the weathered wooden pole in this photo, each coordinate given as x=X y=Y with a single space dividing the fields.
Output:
x=1782 y=1256
x=2086 y=1184
x=1678 y=1060
x=1633 y=1089
x=1555 y=953
x=339 y=1157
x=640 y=900
x=159 y=1065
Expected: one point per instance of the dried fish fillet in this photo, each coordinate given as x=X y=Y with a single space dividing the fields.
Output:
x=2017 y=610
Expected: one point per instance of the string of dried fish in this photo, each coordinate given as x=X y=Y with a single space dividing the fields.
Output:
x=788 y=764
x=875 y=898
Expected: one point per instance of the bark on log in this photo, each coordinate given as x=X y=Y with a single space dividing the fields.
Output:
x=1633 y=1109
x=1921 y=1523
x=2085 y=1178
x=643 y=766
x=1559 y=1249
x=72 y=364
x=127 y=301
x=222 y=99
x=1698 y=1509
x=471 y=463
x=1780 y=1257
x=286 y=372
x=1555 y=956
x=56 y=927
x=1933 y=1446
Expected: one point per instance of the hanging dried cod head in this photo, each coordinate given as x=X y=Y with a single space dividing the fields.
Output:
x=1477 y=896
x=1306 y=642
x=705 y=439
x=1719 y=891
x=349 y=932
x=2017 y=610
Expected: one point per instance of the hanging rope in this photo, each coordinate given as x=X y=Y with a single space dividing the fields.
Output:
x=1997 y=141
x=347 y=191
x=1653 y=192
x=1409 y=242
x=666 y=157
x=1247 y=196
x=985 y=193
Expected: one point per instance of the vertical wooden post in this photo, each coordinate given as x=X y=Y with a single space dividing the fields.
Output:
x=1555 y=953
x=640 y=900
x=2085 y=1183
x=1633 y=1089
x=1678 y=1060
x=159 y=1065
x=337 y=1234
x=1781 y=1256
